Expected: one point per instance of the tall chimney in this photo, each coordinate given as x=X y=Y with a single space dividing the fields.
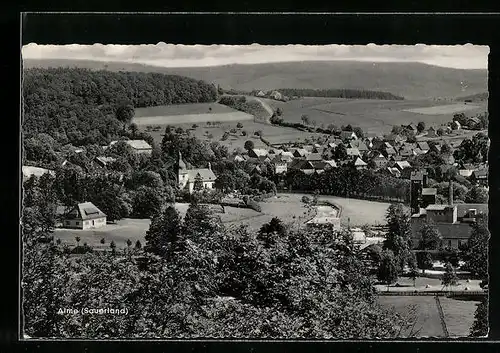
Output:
x=450 y=192
x=209 y=165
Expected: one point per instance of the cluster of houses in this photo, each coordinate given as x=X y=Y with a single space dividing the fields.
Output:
x=390 y=153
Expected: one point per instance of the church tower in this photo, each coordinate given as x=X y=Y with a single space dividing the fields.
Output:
x=418 y=181
x=183 y=176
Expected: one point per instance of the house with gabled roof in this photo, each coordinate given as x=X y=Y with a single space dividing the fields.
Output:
x=406 y=152
x=390 y=152
x=104 y=161
x=424 y=146
x=300 y=152
x=411 y=127
x=139 y=146
x=395 y=172
x=480 y=176
x=331 y=163
x=402 y=165
x=304 y=166
x=353 y=152
x=380 y=161
x=360 y=164
x=431 y=132
x=360 y=145
x=348 y=135
x=84 y=215
x=187 y=176
x=314 y=157
x=257 y=152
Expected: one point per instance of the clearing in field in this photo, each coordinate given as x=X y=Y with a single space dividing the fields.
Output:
x=273 y=134
x=359 y=212
x=458 y=314
x=183 y=109
x=133 y=229
x=428 y=322
x=443 y=109
x=193 y=118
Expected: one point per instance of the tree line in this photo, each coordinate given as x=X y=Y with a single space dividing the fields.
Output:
x=347 y=181
x=339 y=93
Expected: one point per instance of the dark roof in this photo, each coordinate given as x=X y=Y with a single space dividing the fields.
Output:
x=480 y=173
x=345 y=134
x=320 y=165
x=429 y=191
x=84 y=211
x=314 y=157
x=463 y=208
x=423 y=145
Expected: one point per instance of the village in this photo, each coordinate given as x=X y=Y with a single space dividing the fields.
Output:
x=389 y=216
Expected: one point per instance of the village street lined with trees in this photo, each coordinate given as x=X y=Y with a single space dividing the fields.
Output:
x=195 y=277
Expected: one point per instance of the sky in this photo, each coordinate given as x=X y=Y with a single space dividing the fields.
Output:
x=466 y=56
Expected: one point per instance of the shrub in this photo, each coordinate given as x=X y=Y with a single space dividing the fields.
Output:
x=254 y=205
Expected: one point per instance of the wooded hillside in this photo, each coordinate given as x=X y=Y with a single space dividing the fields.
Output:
x=79 y=105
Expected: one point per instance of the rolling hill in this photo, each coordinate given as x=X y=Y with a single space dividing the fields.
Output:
x=411 y=80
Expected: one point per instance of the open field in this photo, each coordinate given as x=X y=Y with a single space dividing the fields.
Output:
x=375 y=116
x=444 y=109
x=359 y=212
x=458 y=315
x=428 y=322
x=192 y=118
x=273 y=134
x=133 y=229
x=406 y=285
x=183 y=109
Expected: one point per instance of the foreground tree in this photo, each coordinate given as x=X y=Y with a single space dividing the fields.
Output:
x=477 y=194
x=430 y=238
x=424 y=260
x=476 y=251
x=413 y=272
x=480 y=326
x=449 y=277
x=398 y=234
x=388 y=269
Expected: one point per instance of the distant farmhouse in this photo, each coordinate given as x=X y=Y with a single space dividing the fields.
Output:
x=139 y=146
x=84 y=216
x=187 y=177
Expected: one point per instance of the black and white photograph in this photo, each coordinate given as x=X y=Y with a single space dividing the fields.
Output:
x=268 y=192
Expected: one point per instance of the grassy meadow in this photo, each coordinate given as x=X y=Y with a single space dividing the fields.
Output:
x=375 y=116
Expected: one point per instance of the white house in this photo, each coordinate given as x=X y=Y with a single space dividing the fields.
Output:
x=84 y=216
x=28 y=171
x=139 y=146
x=187 y=177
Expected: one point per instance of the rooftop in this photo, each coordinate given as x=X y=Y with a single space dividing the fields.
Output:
x=429 y=191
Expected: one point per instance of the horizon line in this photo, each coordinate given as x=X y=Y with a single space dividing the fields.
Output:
x=257 y=63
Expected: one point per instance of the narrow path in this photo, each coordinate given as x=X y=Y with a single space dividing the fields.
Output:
x=441 y=317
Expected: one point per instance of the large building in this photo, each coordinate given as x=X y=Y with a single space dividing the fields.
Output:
x=453 y=221
x=187 y=177
x=84 y=216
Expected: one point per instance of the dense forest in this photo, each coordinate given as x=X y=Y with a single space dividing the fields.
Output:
x=81 y=106
x=338 y=93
